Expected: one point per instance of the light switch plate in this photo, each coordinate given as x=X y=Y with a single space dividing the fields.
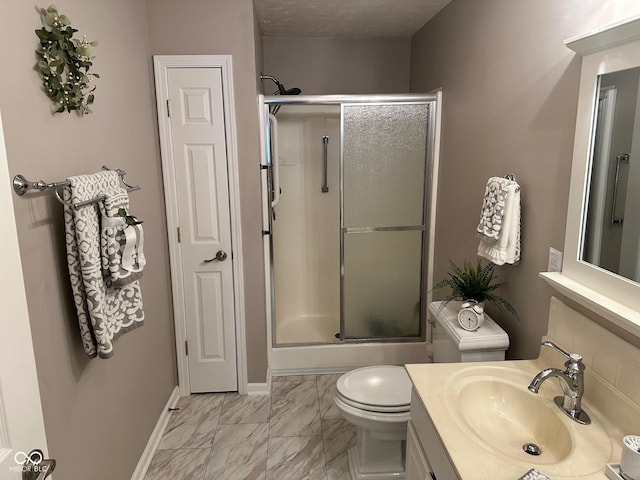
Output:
x=555 y=260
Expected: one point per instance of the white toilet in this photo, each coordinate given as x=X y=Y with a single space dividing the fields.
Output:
x=377 y=399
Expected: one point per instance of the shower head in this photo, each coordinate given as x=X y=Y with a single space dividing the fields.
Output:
x=281 y=90
x=291 y=91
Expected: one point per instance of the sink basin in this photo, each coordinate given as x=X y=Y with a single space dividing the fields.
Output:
x=494 y=409
x=506 y=417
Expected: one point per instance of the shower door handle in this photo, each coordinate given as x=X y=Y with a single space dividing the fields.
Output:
x=275 y=161
x=220 y=256
x=325 y=145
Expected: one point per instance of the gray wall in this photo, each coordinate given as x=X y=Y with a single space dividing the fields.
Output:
x=510 y=98
x=209 y=27
x=338 y=65
x=98 y=413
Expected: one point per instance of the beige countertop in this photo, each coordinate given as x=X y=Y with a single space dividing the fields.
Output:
x=593 y=445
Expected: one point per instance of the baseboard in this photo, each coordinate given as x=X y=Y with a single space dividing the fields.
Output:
x=282 y=372
x=156 y=436
x=260 y=388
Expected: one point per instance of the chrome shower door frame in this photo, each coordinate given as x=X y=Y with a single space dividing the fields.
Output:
x=430 y=102
x=430 y=151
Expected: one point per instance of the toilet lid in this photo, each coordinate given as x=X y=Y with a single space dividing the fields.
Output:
x=381 y=386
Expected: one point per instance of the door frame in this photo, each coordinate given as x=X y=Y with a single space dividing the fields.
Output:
x=162 y=63
x=18 y=371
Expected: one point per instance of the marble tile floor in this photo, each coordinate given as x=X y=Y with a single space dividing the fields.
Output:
x=296 y=433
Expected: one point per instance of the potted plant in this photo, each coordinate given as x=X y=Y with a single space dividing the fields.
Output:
x=474 y=283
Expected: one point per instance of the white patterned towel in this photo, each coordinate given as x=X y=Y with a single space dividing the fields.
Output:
x=120 y=244
x=499 y=227
x=105 y=311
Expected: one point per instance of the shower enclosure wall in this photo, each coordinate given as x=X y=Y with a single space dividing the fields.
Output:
x=348 y=207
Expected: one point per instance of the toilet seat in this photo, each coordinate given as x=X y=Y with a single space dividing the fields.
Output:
x=373 y=408
x=381 y=389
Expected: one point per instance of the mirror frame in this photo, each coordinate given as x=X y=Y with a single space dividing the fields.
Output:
x=610 y=49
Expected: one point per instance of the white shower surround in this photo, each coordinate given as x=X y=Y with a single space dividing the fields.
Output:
x=308 y=328
x=306 y=242
x=341 y=357
x=345 y=356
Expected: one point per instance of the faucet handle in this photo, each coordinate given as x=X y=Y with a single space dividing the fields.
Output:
x=572 y=357
x=574 y=360
x=549 y=344
x=575 y=357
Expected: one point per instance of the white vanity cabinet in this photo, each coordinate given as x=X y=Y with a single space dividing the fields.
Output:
x=426 y=458
x=416 y=467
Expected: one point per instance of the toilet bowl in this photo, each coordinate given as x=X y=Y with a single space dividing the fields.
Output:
x=377 y=400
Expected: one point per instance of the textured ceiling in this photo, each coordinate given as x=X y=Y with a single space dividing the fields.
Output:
x=345 y=18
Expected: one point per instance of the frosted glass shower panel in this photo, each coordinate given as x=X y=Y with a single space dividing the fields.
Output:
x=384 y=158
x=382 y=283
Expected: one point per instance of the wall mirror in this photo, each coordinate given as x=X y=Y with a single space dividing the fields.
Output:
x=611 y=229
x=601 y=261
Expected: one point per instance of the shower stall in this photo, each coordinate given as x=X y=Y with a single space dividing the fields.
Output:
x=349 y=192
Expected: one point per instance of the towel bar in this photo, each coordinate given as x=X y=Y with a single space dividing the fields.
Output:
x=21 y=186
x=512 y=177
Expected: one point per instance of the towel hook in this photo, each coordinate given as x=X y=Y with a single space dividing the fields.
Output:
x=121 y=174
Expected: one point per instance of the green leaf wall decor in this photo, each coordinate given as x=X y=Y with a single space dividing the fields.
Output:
x=64 y=63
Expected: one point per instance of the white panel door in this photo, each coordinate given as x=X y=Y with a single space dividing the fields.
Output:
x=200 y=165
x=21 y=423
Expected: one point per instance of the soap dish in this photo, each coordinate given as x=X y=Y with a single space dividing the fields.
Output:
x=534 y=474
x=612 y=470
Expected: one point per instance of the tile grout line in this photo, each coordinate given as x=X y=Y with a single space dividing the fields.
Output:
x=215 y=432
x=266 y=460
x=324 y=454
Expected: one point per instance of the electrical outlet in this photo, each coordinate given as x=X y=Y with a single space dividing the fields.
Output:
x=555 y=260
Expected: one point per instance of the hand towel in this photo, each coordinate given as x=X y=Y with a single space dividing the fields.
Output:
x=493 y=205
x=105 y=311
x=499 y=227
x=121 y=244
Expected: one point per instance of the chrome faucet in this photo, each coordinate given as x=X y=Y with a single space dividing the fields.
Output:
x=571 y=381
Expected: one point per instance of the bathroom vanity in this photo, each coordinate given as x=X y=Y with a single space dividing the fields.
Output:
x=421 y=431
x=470 y=421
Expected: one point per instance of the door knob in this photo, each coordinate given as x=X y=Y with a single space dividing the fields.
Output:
x=220 y=256
x=36 y=467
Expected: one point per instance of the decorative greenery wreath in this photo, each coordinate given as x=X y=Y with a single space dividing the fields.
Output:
x=64 y=63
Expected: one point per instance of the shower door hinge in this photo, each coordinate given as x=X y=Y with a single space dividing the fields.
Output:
x=186 y=347
x=168 y=108
x=179 y=235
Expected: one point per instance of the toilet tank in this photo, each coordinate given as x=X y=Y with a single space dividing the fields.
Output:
x=452 y=343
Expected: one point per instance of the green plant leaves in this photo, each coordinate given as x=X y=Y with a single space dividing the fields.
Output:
x=475 y=283
x=129 y=219
x=64 y=63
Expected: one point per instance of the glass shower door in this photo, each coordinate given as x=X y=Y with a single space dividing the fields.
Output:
x=384 y=171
